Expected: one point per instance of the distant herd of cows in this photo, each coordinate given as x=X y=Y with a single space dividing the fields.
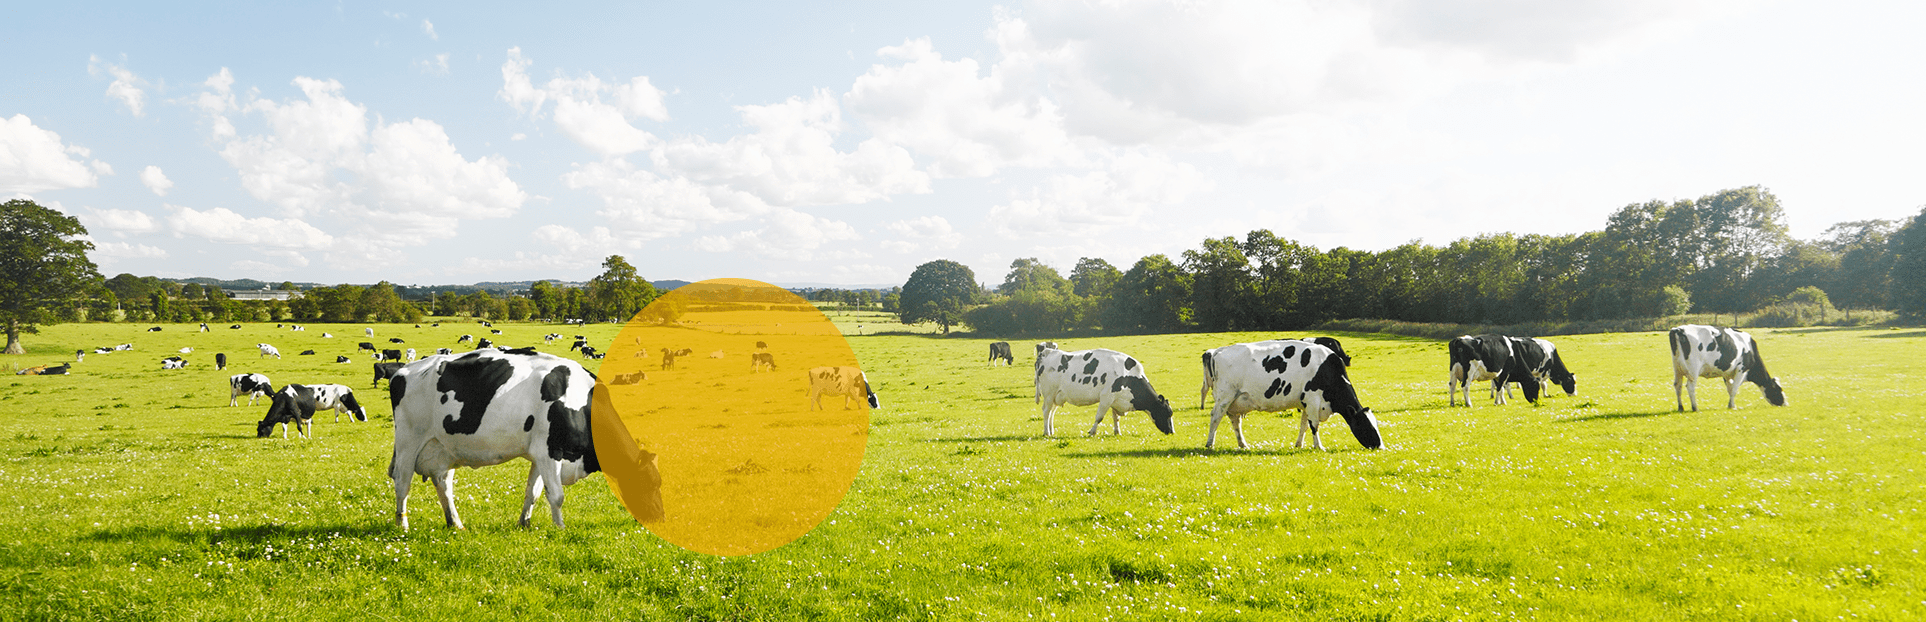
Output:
x=494 y=404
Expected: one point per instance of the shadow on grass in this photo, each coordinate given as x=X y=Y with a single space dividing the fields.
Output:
x=1185 y=452
x=985 y=439
x=1612 y=416
x=244 y=534
x=1897 y=335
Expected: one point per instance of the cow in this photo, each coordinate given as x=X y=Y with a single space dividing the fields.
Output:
x=759 y=360
x=411 y=355
x=488 y=407
x=395 y=340
x=79 y=355
x=498 y=332
x=299 y=329
x=1274 y=376
x=1210 y=375
x=187 y=350
x=327 y=335
x=597 y=356
x=369 y=346
x=285 y=409
x=465 y=339
x=251 y=385
x=1001 y=350
x=123 y=347
x=588 y=352
x=848 y=382
x=342 y=359
x=155 y=329
x=268 y=350
x=388 y=355
x=1111 y=380
x=1700 y=351
x=173 y=362
x=235 y=327
x=306 y=353
x=668 y=359
x=203 y=327
x=384 y=371
x=220 y=360
x=444 y=350
x=484 y=344
x=1541 y=359
x=760 y=345
x=1488 y=357
x=369 y=331
x=579 y=344
x=314 y=398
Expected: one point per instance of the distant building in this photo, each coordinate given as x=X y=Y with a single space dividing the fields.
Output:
x=261 y=294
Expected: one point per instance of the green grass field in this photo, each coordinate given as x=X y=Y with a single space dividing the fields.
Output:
x=136 y=493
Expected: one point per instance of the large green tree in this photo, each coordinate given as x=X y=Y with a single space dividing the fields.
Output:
x=618 y=293
x=1908 y=249
x=937 y=292
x=1153 y=296
x=43 y=267
x=1030 y=275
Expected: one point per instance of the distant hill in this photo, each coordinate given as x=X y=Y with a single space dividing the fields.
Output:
x=496 y=287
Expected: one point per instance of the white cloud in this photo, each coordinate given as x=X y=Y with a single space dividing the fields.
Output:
x=1117 y=196
x=602 y=127
x=216 y=101
x=223 y=226
x=125 y=250
x=787 y=235
x=155 y=180
x=965 y=124
x=126 y=87
x=925 y=233
x=642 y=205
x=33 y=159
x=791 y=158
x=428 y=28
x=437 y=66
x=121 y=220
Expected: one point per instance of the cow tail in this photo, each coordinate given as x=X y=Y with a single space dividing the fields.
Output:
x=1210 y=366
x=1679 y=345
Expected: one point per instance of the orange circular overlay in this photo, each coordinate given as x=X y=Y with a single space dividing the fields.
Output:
x=750 y=407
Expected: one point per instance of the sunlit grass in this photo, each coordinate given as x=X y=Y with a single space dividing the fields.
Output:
x=134 y=493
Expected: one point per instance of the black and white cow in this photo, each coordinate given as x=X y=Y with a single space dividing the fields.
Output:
x=1274 y=376
x=1542 y=360
x=235 y=327
x=579 y=344
x=498 y=332
x=444 y=350
x=465 y=339
x=1492 y=358
x=268 y=350
x=327 y=335
x=295 y=405
x=484 y=344
x=251 y=385
x=220 y=360
x=1700 y=351
x=155 y=329
x=849 y=382
x=388 y=355
x=1000 y=350
x=79 y=355
x=384 y=371
x=1210 y=373
x=342 y=359
x=203 y=327
x=1111 y=380
x=173 y=362
x=488 y=407
x=396 y=340
x=411 y=355
x=369 y=331
x=759 y=360
x=365 y=346
x=307 y=353
x=588 y=352
x=123 y=347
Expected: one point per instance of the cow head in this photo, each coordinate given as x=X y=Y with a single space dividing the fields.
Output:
x=282 y=409
x=1774 y=394
x=354 y=406
x=1568 y=382
x=1364 y=425
x=1160 y=414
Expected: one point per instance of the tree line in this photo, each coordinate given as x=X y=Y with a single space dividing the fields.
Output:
x=1727 y=252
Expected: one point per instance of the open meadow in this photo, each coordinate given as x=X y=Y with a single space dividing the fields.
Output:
x=132 y=492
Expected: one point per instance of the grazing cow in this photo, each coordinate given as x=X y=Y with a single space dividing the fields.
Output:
x=668 y=359
x=1111 y=380
x=342 y=359
x=488 y=407
x=444 y=350
x=307 y=353
x=384 y=371
x=203 y=327
x=1001 y=350
x=1488 y=357
x=1210 y=373
x=579 y=344
x=365 y=345
x=759 y=345
x=220 y=360
x=759 y=360
x=411 y=355
x=173 y=362
x=395 y=340
x=848 y=382
x=388 y=355
x=306 y=400
x=465 y=339
x=188 y=350
x=1541 y=359
x=155 y=329
x=268 y=350
x=1274 y=376
x=1700 y=351
x=484 y=344
x=588 y=352
x=251 y=385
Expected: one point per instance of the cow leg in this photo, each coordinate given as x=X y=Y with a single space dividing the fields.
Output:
x=553 y=476
x=1692 y=391
x=1678 y=389
x=401 y=496
x=1304 y=423
x=1116 y=422
x=534 y=488
x=445 y=492
x=1732 y=391
x=1103 y=407
x=1216 y=414
x=1049 y=410
x=1237 y=426
x=1497 y=391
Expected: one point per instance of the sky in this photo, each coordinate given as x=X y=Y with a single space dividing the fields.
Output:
x=845 y=143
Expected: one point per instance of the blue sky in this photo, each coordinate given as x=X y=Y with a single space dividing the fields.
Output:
x=849 y=142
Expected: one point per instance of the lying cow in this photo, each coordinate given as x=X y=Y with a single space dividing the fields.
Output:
x=1700 y=351
x=396 y=340
x=251 y=385
x=1210 y=373
x=1274 y=376
x=488 y=407
x=848 y=382
x=342 y=359
x=155 y=329
x=1488 y=358
x=1111 y=380
x=1001 y=350
x=173 y=362
x=307 y=353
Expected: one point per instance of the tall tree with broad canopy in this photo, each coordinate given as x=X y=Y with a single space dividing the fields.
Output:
x=1908 y=250
x=1030 y=275
x=937 y=292
x=43 y=267
x=619 y=292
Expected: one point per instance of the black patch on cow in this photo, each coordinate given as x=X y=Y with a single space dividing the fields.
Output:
x=1276 y=364
x=1129 y=363
x=529 y=424
x=522 y=351
x=1304 y=359
x=473 y=380
x=397 y=387
x=354 y=406
x=1091 y=367
x=1289 y=351
x=1063 y=364
x=1145 y=398
x=1278 y=387
x=1728 y=351
x=570 y=437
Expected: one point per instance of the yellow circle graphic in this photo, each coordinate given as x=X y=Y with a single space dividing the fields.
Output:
x=743 y=416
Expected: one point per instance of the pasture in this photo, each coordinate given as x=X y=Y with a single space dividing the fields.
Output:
x=136 y=493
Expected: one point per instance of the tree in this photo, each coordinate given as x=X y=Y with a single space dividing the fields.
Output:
x=1908 y=249
x=43 y=267
x=619 y=292
x=546 y=298
x=1152 y=297
x=937 y=292
x=1093 y=277
x=287 y=286
x=1221 y=285
x=1030 y=275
